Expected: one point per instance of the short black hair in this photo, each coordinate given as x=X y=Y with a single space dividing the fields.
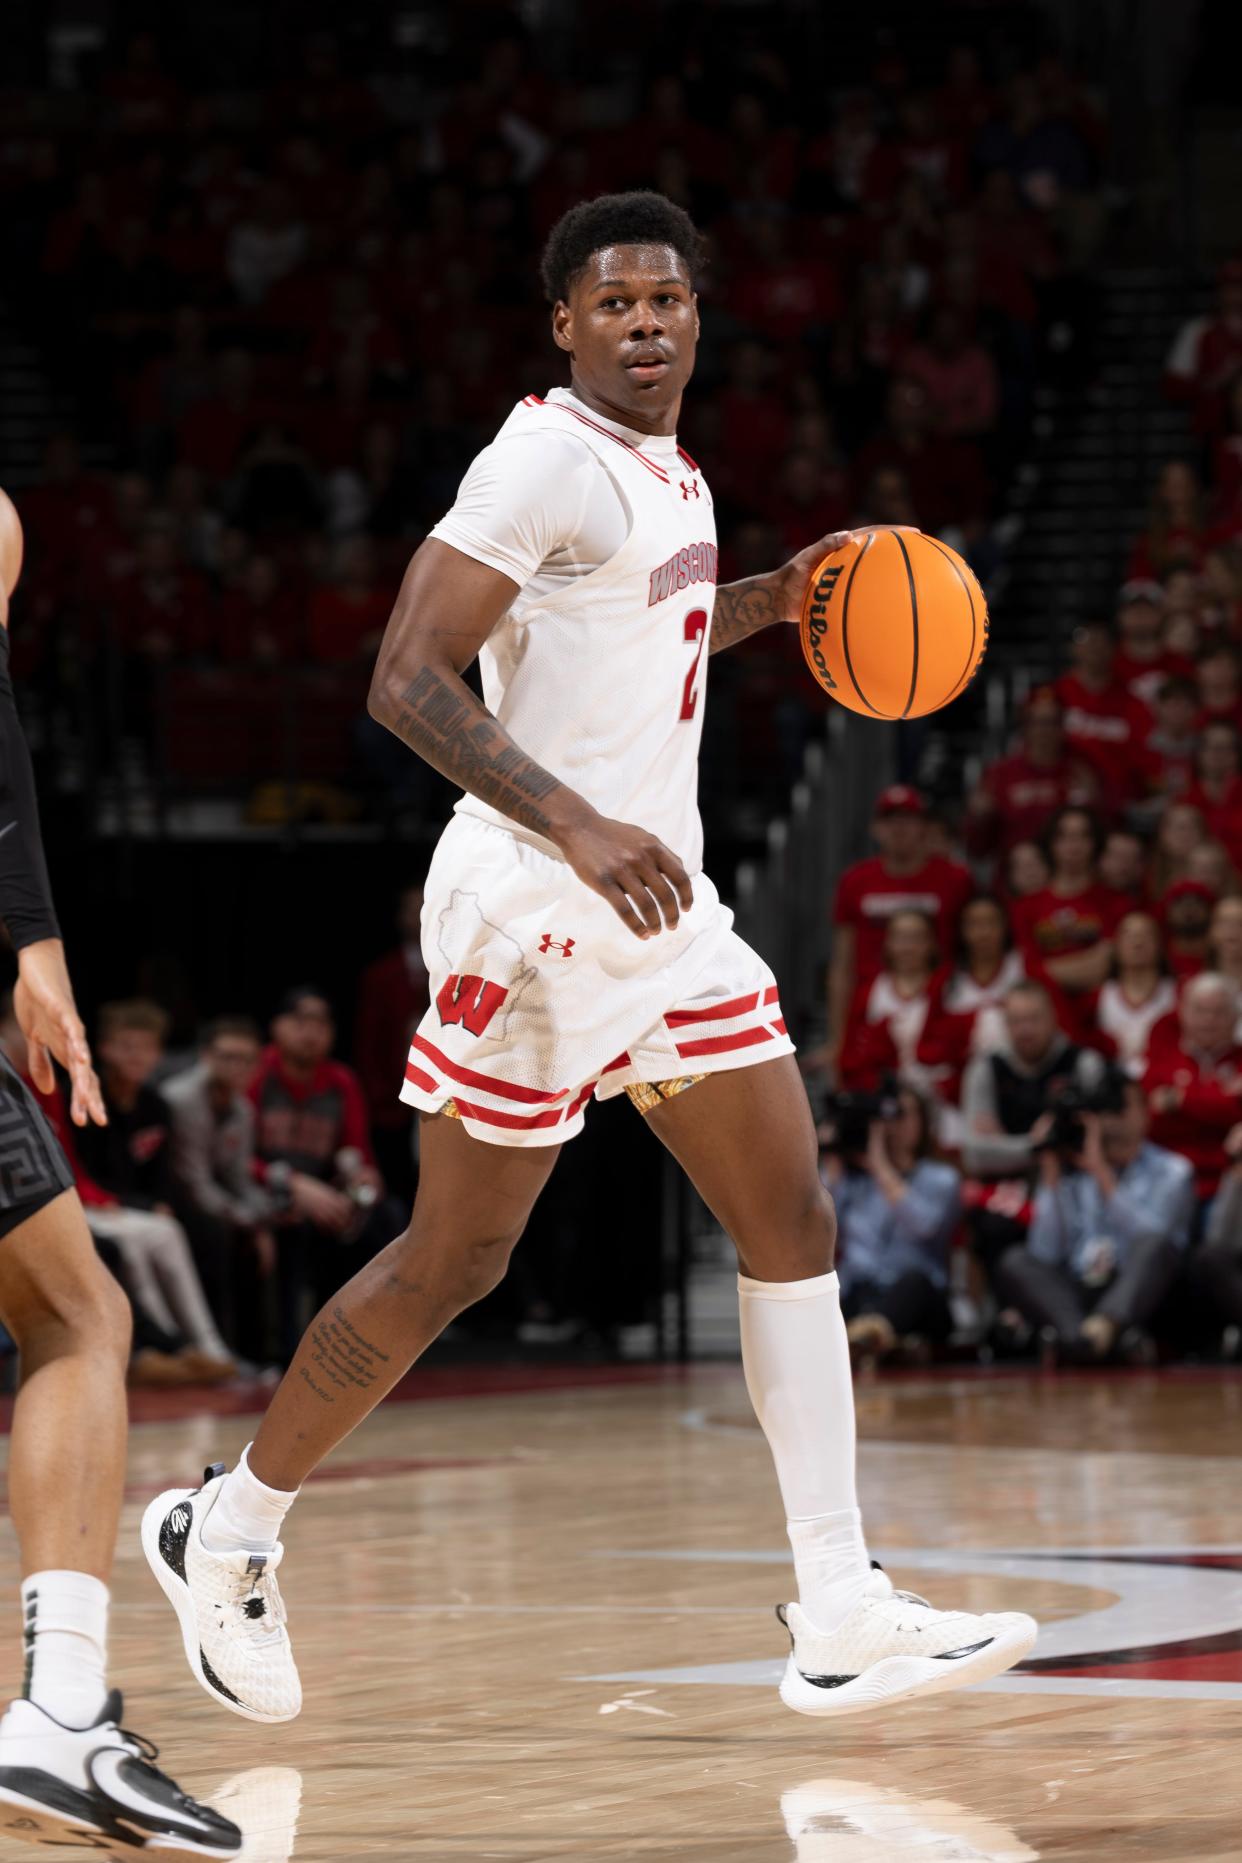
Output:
x=640 y=218
x=293 y=999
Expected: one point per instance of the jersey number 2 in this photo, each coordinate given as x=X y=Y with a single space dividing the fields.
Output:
x=695 y=629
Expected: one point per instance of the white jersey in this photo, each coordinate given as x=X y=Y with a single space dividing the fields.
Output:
x=597 y=669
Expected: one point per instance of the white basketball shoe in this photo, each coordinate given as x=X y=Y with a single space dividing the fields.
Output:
x=229 y=1606
x=96 y=1788
x=892 y=1647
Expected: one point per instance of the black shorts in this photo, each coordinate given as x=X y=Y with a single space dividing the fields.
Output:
x=33 y=1168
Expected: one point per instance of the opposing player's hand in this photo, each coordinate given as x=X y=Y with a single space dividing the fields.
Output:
x=48 y=1016
x=642 y=880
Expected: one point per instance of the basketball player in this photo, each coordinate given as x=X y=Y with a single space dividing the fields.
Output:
x=576 y=947
x=69 y=1772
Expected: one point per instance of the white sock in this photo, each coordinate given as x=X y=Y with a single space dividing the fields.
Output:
x=247 y=1515
x=797 y=1363
x=66 y=1645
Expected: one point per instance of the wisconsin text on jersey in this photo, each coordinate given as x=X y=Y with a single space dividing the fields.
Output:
x=696 y=563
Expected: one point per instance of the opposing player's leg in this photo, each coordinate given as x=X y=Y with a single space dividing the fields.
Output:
x=222 y=1541
x=747 y=1141
x=67 y=1769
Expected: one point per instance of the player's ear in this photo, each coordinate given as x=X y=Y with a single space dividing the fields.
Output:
x=694 y=305
x=562 y=326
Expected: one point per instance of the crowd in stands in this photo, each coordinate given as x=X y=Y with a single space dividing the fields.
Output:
x=235 y=1188
x=292 y=312
x=1061 y=986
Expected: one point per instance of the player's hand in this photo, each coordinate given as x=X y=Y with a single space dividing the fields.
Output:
x=44 y=1006
x=791 y=580
x=642 y=880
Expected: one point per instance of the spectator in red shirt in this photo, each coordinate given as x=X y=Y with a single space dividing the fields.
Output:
x=393 y=994
x=945 y=475
x=1207 y=352
x=889 y=1013
x=1220 y=685
x=1181 y=830
x=901 y=878
x=1217 y=787
x=959 y=376
x=313 y=1152
x=1166 y=757
x=1019 y=794
x=1186 y=911
x=1123 y=867
x=1065 y=931
x=1194 y=1089
x=1131 y=1004
x=349 y=615
x=1103 y=721
x=1025 y=871
x=1142 y=662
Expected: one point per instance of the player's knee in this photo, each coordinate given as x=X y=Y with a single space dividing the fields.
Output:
x=453 y=1272
x=87 y=1313
x=481 y=1268
x=795 y=1240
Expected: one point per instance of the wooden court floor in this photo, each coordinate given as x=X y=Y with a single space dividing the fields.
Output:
x=534 y=1620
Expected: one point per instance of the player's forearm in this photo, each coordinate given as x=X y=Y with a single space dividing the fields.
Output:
x=440 y=719
x=742 y=608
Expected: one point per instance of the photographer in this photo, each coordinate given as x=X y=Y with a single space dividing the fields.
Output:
x=1007 y=1094
x=1110 y=1226
x=897 y=1209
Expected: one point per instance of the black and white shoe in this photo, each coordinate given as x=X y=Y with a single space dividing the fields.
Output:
x=96 y=1788
x=228 y=1604
x=894 y=1646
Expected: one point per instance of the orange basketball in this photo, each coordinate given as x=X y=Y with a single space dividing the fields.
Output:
x=10 y=544
x=894 y=625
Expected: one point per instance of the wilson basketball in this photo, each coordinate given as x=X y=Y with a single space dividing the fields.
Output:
x=10 y=544
x=894 y=625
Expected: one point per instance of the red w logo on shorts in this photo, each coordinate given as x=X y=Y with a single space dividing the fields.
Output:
x=470 y=1001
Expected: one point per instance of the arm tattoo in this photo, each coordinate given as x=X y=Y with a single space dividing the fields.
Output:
x=449 y=727
x=342 y=1358
x=743 y=608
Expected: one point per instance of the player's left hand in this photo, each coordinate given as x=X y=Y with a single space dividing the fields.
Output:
x=791 y=580
x=48 y=1017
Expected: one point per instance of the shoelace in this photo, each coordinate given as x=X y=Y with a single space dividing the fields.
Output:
x=147 y=1752
x=259 y=1600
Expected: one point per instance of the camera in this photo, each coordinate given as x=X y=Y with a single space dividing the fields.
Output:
x=1067 y=1106
x=848 y=1116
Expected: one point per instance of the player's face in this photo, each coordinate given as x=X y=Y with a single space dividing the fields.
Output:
x=631 y=326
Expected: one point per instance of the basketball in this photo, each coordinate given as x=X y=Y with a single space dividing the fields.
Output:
x=10 y=544
x=894 y=625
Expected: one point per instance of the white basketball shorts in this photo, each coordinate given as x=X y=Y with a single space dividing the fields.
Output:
x=541 y=997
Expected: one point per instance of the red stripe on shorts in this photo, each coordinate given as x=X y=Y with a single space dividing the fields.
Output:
x=779 y=1026
x=720 y=1044
x=582 y=1099
x=622 y=1060
x=504 y=1089
x=773 y=995
x=417 y=1078
x=523 y=1122
x=715 y=1012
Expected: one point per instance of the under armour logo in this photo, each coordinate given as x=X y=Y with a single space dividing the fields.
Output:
x=549 y=943
x=689 y=488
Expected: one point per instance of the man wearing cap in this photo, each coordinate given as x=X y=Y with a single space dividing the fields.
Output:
x=902 y=877
x=1019 y=794
x=1142 y=661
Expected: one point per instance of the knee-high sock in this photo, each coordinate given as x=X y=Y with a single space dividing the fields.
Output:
x=66 y=1645
x=797 y=1363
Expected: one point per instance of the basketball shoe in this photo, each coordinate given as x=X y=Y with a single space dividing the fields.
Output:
x=229 y=1606
x=892 y=1647
x=96 y=1787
